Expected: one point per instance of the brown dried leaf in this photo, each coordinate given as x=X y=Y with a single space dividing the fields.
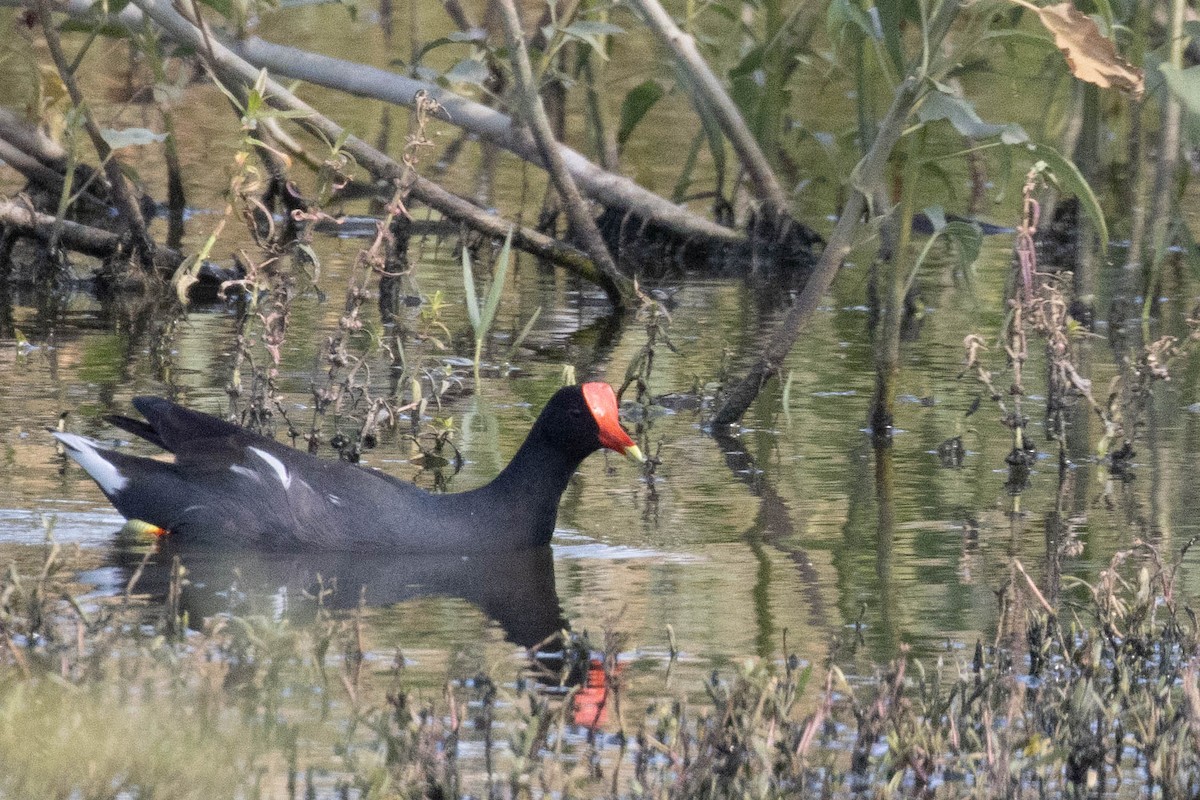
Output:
x=1091 y=56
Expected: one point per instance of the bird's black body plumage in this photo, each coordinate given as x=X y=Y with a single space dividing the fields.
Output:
x=229 y=486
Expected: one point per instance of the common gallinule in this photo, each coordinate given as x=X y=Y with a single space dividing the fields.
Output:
x=229 y=486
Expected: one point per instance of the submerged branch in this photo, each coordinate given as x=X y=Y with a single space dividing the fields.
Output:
x=870 y=172
x=582 y=223
x=77 y=238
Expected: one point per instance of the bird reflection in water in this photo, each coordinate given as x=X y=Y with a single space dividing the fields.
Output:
x=515 y=590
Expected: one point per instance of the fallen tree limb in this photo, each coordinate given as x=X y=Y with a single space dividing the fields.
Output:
x=75 y=237
x=610 y=189
x=43 y=162
x=31 y=168
x=28 y=139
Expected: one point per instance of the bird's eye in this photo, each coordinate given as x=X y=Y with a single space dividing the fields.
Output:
x=575 y=412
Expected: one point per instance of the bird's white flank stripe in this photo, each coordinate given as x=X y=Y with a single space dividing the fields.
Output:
x=91 y=458
x=246 y=472
x=275 y=464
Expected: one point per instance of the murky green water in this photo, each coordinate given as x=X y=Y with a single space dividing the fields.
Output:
x=791 y=528
x=810 y=534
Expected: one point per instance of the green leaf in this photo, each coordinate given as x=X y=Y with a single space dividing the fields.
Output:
x=727 y=13
x=1104 y=9
x=469 y=289
x=746 y=85
x=1071 y=180
x=430 y=46
x=962 y=115
x=1185 y=85
x=635 y=106
x=310 y=254
x=966 y=237
x=892 y=16
x=968 y=241
x=131 y=137
x=937 y=218
x=517 y=342
x=589 y=32
x=935 y=171
x=585 y=28
x=843 y=13
x=500 y=274
x=753 y=60
x=716 y=141
x=689 y=167
x=110 y=30
x=473 y=35
x=470 y=71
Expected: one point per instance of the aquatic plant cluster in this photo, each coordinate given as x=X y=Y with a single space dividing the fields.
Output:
x=116 y=697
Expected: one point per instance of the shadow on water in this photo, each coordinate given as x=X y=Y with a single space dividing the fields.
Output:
x=515 y=590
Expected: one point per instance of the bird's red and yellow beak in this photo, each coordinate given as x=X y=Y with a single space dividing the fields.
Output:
x=602 y=402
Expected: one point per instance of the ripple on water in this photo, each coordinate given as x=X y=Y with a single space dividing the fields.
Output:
x=72 y=523
x=569 y=545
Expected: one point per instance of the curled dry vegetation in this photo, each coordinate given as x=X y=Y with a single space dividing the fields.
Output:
x=110 y=697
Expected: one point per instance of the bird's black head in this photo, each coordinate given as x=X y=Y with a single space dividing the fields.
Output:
x=580 y=420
